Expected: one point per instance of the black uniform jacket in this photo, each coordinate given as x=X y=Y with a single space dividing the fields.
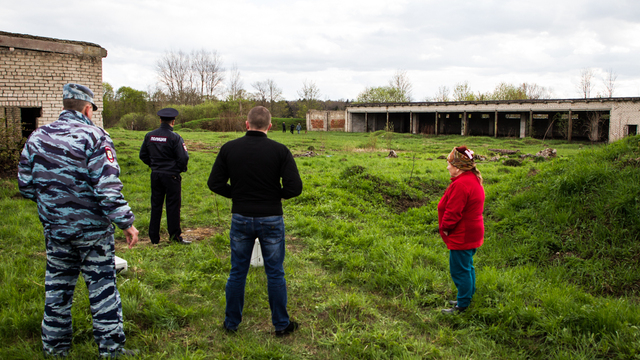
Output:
x=164 y=151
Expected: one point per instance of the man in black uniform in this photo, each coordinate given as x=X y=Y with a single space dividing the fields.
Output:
x=165 y=152
x=284 y=127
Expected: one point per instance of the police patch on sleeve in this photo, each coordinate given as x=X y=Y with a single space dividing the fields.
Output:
x=184 y=146
x=109 y=153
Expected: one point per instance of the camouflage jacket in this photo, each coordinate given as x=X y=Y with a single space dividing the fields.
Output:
x=69 y=169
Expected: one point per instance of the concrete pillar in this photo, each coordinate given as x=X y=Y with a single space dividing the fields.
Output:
x=366 y=121
x=411 y=130
x=387 y=128
x=530 y=123
x=523 y=125
x=463 y=130
x=570 y=126
x=436 y=123
x=495 y=125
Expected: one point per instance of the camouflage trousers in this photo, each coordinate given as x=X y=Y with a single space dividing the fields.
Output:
x=95 y=259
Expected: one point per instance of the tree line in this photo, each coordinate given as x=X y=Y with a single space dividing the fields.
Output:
x=200 y=79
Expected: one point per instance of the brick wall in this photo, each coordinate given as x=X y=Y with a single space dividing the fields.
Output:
x=32 y=78
x=323 y=120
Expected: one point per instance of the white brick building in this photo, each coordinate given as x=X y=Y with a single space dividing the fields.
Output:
x=33 y=71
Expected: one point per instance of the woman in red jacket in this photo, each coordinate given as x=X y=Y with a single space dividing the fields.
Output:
x=460 y=223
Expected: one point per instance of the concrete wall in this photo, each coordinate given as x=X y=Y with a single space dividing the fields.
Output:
x=33 y=71
x=462 y=117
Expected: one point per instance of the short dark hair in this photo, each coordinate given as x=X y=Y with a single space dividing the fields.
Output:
x=259 y=118
x=167 y=119
x=74 y=104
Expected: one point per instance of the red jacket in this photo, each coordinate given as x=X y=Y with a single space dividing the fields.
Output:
x=460 y=213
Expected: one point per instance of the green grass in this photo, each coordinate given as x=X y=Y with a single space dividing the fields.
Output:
x=366 y=270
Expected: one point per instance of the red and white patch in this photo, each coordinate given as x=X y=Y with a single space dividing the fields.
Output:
x=184 y=146
x=109 y=153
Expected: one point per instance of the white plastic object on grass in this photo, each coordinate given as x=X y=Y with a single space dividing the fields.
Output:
x=256 y=255
x=121 y=264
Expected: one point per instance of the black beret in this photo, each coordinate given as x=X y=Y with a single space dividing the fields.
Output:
x=168 y=113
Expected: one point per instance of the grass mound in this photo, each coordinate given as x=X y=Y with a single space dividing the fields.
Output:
x=579 y=218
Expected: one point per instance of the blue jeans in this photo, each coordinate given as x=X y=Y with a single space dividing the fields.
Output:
x=270 y=231
x=463 y=274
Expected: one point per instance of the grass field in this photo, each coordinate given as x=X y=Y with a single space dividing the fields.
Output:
x=366 y=270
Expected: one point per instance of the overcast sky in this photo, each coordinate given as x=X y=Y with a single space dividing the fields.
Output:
x=344 y=46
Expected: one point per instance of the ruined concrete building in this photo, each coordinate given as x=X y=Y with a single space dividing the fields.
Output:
x=33 y=71
x=599 y=119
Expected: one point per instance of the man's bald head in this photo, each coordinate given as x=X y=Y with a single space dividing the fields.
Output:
x=259 y=118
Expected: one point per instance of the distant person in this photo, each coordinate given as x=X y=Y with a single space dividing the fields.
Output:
x=255 y=166
x=69 y=169
x=165 y=153
x=292 y=127
x=284 y=127
x=298 y=128
x=461 y=224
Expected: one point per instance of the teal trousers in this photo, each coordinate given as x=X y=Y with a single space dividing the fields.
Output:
x=463 y=274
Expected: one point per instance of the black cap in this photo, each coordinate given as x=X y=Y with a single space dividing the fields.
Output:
x=168 y=113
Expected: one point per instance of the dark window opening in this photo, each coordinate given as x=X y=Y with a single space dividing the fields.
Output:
x=632 y=130
x=29 y=120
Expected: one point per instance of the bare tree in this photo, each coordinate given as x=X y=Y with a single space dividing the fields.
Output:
x=610 y=82
x=261 y=92
x=274 y=93
x=175 y=73
x=535 y=91
x=309 y=91
x=207 y=68
x=236 y=87
x=585 y=85
x=309 y=96
x=442 y=94
x=400 y=81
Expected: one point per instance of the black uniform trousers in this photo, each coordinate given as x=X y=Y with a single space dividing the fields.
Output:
x=168 y=185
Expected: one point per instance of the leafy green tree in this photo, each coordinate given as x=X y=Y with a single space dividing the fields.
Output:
x=108 y=106
x=131 y=100
x=381 y=94
x=462 y=92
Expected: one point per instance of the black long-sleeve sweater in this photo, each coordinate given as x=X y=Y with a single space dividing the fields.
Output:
x=255 y=165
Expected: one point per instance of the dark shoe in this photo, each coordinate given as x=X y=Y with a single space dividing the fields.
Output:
x=180 y=240
x=229 y=331
x=453 y=302
x=293 y=326
x=454 y=310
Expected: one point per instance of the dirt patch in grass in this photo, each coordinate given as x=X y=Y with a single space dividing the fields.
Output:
x=192 y=235
x=294 y=245
x=403 y=202
x=203 y=147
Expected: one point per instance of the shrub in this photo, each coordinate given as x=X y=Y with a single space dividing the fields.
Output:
x=139 y=121
x=11 y=143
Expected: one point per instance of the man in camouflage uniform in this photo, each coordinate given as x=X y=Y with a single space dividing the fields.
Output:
x=69 y=169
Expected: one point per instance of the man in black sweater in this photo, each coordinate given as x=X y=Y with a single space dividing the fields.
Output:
x=256 y=165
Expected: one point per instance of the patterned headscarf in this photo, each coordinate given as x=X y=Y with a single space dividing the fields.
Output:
x=462 y=158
